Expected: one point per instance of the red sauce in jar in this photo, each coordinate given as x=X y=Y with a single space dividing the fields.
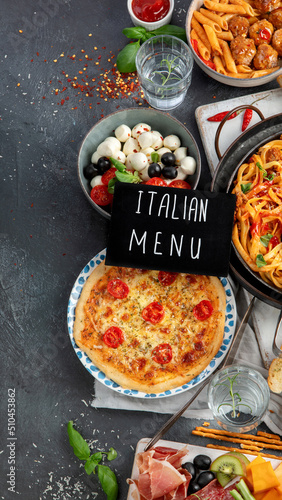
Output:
x=150 y=10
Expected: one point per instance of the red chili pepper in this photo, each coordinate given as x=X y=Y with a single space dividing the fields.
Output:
x=264 y=34
x=219 y=116
x=247 y=118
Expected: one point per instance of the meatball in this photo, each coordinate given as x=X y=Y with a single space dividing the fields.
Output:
x=243 y=50
x=266 y=57
x=261 y=31
x=265 y=6
x=273 y=154
x=275 y=17
x=239 y=25
x=277 y=41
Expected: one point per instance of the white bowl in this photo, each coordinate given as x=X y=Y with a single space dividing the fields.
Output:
x=153 y=25
x=228 y=80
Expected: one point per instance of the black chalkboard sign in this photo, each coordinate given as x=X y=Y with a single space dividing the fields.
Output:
x=169 y=229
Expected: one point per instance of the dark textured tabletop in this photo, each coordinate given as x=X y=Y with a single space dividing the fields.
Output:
x=50 y=51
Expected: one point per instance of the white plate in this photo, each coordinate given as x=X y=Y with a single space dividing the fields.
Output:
x=229 y=329
x=193 y=451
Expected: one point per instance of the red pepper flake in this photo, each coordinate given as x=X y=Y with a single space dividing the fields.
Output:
x=31 y=205
x=37 y=53
x=62 y=101
x=15 y=263
x=63 y=254
x=43 y=97
x=30 y=235
x=31 y=60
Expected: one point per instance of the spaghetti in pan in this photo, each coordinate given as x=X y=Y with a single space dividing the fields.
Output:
x=258 y=217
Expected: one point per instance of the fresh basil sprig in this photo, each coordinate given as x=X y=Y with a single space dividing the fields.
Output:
x=122 y=175
x=126 y=57
x=81 y=450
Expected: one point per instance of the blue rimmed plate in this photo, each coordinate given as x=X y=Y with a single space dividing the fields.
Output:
x=229 y=330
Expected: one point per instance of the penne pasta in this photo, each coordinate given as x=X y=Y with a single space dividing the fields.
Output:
x=216 y=18
x=219 y=65
x=216 y=48
x=262 y=72
x=248 y=8
x=225 y=35
x=229 y=61
x=242 y=68
x=226 y=8
x=205 y=20
x=204 y=52
x=199 y=30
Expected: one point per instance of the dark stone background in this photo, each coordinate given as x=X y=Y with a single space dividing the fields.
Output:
x=49 y=232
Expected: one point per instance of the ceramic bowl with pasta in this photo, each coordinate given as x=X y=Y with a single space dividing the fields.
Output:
x=257 y=231
x=237 y=42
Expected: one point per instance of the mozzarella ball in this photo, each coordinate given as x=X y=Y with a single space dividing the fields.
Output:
x=144 y=174
x=162 y=151
x=181 y=176
x=172 y=142
x=120 y=156
x=145 y=140
x=148 y=152
x=122 y=133
x=115 y=142
x=96 y=181
x=158 y=140
x=180 y=153
x=128 y=161
x=95 y=157
x=188 y=165
x=139 y=129
x=106 y=148
x=139 y=161
x=131 y=146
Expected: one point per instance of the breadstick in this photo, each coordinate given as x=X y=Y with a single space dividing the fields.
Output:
x=240 y=435
x=237 y=440
x=248 y=447
x=226 y=448
x=269 y=436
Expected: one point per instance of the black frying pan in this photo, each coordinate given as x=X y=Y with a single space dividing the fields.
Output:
x=239 y=152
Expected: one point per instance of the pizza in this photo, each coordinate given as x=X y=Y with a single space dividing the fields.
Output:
x=150 y=331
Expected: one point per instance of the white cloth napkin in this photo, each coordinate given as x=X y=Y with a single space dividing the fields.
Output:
x=248 y=354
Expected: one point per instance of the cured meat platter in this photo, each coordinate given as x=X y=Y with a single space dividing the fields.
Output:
x=192 y=451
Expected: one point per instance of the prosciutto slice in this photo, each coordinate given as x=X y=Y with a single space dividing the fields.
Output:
x=213 y=491
x=161 y=476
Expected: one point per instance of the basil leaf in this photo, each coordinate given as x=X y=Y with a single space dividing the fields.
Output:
x=155 y=157
x=137 y=32
x=90 y=465
x=108 y=482
x=170 y=29
x=116 y=163
x=246 y=187
x=126 y=58
x=125 y=177
x=80 y=447
x=265 y=239
x=111 y=185
x=112 y=454
x=261 y=168
x=270 y=177
x=260 y=262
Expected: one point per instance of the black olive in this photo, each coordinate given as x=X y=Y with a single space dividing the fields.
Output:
x=154 y=170
x=202 y=462
x=193 y=487
x=169 y=172
x=205 y=478
x=168 y=159
x=90 y=171
x=103 y=164
x=191 y=468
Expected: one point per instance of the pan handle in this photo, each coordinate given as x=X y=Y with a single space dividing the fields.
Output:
x=243 y=106
x=276 y=350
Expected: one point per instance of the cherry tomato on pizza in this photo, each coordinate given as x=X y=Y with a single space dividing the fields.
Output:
x=203 y=310
x=100 y=195
x=166 y=278
x=118 y=289
x=113 y=337
x=162 y=354
x=153 y=312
